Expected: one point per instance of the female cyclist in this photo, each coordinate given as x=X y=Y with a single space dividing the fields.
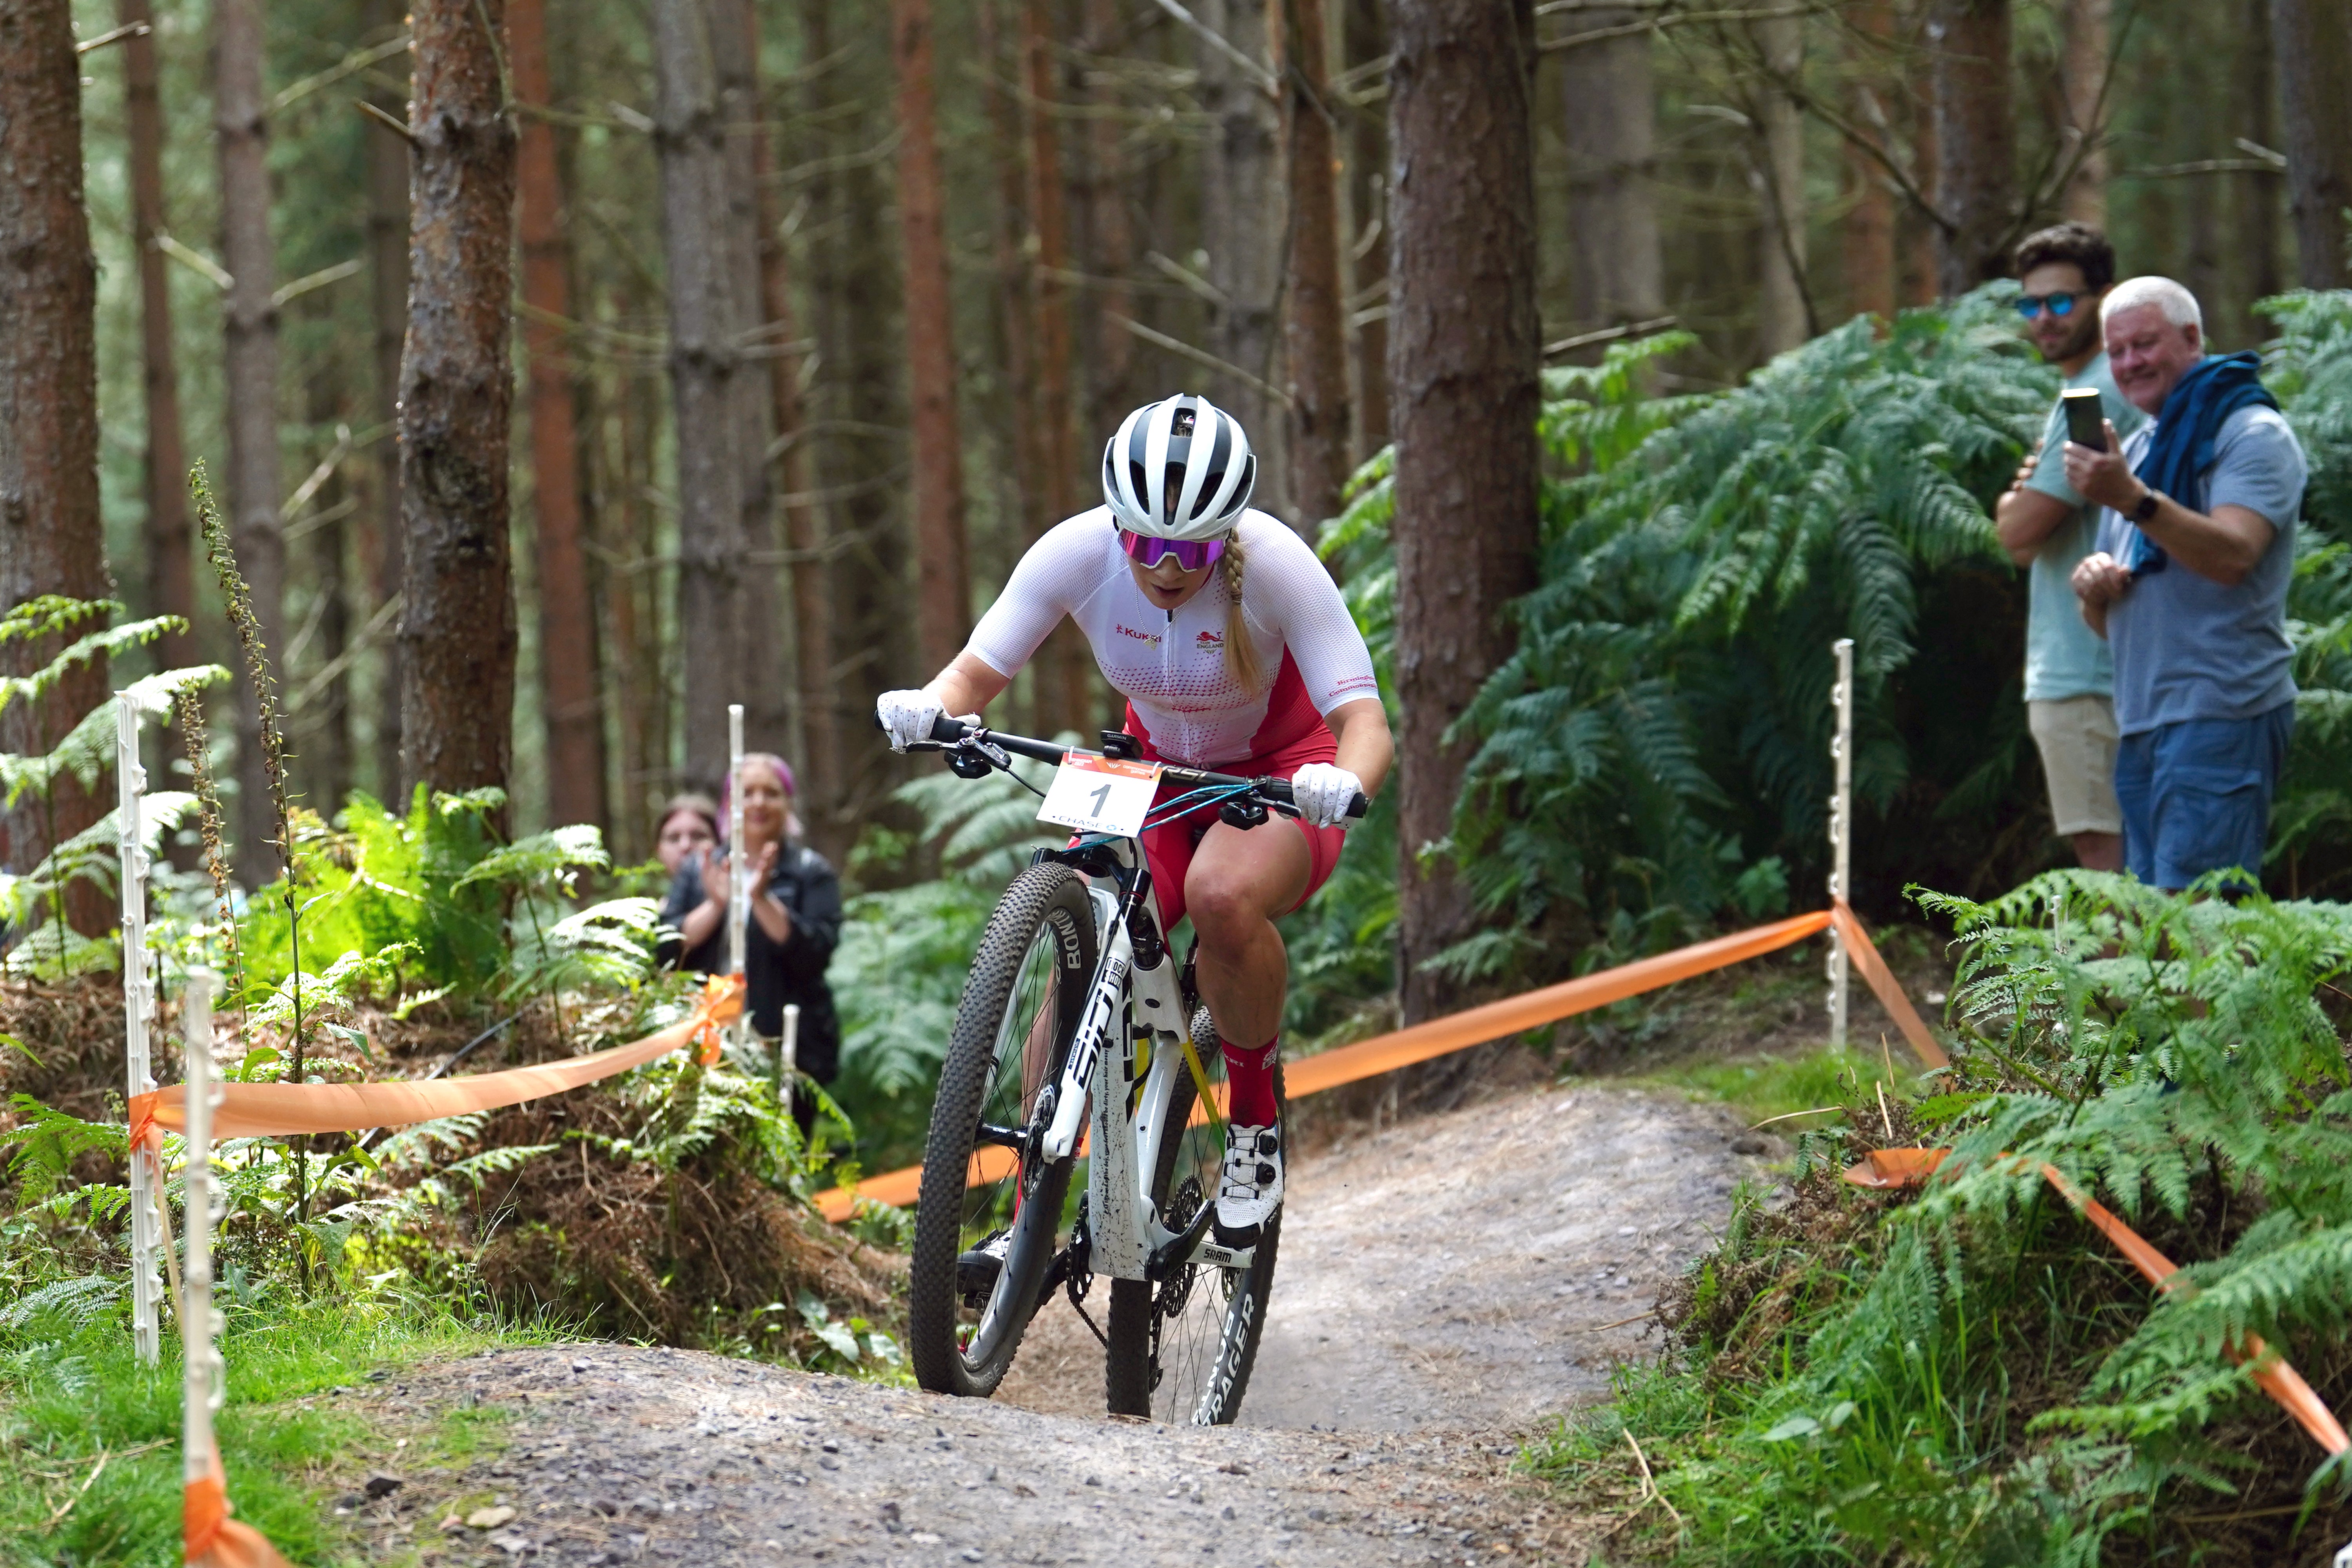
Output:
x=1273 y=681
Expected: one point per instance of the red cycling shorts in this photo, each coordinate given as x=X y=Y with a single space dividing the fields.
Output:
x=1168 y=848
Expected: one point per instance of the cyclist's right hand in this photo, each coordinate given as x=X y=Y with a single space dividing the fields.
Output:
x=907 y=716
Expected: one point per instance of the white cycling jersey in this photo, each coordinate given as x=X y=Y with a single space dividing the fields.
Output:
x=1172 y=667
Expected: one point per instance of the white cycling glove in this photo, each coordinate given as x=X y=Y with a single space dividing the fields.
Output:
x=1323 y=793
x=908 y=716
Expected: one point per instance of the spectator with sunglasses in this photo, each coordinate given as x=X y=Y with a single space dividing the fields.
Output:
x=2048 y=528
x=2189 y=584
x=1273 y=681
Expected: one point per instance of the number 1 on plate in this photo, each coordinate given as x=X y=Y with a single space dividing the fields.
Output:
x=1108 y=795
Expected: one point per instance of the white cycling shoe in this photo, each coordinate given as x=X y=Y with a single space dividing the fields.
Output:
x=1250 y=1192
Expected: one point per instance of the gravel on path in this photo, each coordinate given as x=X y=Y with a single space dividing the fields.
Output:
x=619 y=1454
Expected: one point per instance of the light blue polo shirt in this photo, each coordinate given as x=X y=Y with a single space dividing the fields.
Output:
x=2064 y=657
x=2187 y=647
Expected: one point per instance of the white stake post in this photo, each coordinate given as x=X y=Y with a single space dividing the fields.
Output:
x=1841 y=829
x=139 y=1015
x=202 y=1382
x=738 y=886
x=788 y=1050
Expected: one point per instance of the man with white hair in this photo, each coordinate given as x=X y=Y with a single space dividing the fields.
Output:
x=2188 y=586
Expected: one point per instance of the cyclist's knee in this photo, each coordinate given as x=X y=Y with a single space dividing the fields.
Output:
x=1227 y=910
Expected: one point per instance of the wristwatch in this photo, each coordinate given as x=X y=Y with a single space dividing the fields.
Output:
x=2144 y=510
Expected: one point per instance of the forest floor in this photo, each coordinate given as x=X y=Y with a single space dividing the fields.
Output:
x=1450 y=1284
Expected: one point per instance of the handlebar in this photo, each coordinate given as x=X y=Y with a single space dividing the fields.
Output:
x=948 y=733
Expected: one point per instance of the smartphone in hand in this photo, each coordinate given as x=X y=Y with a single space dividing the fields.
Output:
x=2086 y=423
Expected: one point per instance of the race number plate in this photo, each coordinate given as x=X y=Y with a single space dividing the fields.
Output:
x=1101 y=794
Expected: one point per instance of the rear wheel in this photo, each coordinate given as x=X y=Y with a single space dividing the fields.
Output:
x=1182 y=1350
x=982 y=1192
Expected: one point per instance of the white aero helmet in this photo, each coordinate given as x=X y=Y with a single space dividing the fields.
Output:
x=1179 y=469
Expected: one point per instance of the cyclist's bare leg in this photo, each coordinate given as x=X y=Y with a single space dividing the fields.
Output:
x=1239 y=880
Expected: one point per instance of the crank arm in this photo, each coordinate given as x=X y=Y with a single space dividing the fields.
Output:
x=1193 y=1245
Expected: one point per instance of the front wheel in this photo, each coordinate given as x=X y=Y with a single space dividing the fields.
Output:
x=1182 y=1350
x=986 y=1218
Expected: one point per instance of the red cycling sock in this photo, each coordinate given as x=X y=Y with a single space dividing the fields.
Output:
x=1249 y=1073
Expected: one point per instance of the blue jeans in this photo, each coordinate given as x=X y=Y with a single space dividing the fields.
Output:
x=2196 y=796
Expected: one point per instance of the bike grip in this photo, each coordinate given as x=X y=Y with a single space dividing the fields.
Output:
x=946 y=729
x=1357 y=805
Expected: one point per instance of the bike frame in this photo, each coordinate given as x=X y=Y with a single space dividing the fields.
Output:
x=1127 y=1006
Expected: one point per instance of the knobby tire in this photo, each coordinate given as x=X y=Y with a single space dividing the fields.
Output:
x=1047 y=903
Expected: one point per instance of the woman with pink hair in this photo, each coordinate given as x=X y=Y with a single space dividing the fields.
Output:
x=795 y=919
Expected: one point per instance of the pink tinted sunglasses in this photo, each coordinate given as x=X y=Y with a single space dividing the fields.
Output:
x=1148 y=550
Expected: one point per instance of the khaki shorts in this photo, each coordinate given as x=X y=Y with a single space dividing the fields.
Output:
x=2076 y=736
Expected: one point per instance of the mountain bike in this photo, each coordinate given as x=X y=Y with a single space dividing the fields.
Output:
x=1079 y=1035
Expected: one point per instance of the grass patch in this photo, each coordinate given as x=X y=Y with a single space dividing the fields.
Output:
x=1757 y=1087
x=89 y=1440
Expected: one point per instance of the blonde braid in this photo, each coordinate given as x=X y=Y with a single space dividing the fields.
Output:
x=1241 y=653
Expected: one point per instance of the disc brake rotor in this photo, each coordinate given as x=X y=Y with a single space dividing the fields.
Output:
x=1168 y=1302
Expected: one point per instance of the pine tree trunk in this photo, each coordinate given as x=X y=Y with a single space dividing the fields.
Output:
x=1314 y=329
x=760 y=677
x=1918 y=234
x=855 y=293
x=2254 y=210
x=171 y=562
x=567 y=638
x=2313 y=39
x=1241 y=196
x=2082 y=78
x=387 y=248
x=943 y=558
x=1367 y=158
x=1783 y=312
x=1866 y=238
x=707 y=365
x=1064 y=671
x=813 y=724
x=51 y=537
x=1017 y=316
x=1611 y=120
x=456 y=387
x=1111 y=392
x=322 y=742
x=1463 y=346
x=250 y=367
x=1976 y=141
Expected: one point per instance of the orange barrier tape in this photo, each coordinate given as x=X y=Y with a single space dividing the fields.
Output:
x=2271 y=1374
x=1475 y=1026
x=292 y=1109
x=210 y=1538
x=1863 y=953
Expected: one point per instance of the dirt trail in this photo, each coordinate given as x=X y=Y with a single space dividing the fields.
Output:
x=1445 y=1286
x=1462 y=1272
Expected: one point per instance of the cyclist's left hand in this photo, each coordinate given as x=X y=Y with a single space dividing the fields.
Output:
x=1323 y=793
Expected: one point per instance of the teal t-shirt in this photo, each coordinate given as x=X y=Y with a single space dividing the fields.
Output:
x=2064 y=657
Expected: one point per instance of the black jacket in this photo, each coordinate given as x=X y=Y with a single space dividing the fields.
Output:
x=807 y=888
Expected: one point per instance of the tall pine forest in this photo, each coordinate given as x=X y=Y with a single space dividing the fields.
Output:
x=563 y=374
